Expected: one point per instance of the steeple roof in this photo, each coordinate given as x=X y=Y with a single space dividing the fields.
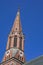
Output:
x=17 y=24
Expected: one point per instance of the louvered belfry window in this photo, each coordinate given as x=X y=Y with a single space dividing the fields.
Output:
x=15 y=41
x=21 y=43
x=9 y=43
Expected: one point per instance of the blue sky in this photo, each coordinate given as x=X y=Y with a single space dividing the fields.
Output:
x=31 y=12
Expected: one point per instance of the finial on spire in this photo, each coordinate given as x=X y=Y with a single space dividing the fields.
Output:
x=18 y=13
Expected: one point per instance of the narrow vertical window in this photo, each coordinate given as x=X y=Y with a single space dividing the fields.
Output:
x=20 y=42
x=9 y=42
x=15 y=41
x=9 y=45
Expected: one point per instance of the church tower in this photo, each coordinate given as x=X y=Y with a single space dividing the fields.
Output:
x=14 y=54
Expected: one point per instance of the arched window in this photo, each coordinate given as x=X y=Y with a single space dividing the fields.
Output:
x=20 y=42
x=15 y=41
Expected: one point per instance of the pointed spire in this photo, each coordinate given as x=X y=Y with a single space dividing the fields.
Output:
x=17 y=23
